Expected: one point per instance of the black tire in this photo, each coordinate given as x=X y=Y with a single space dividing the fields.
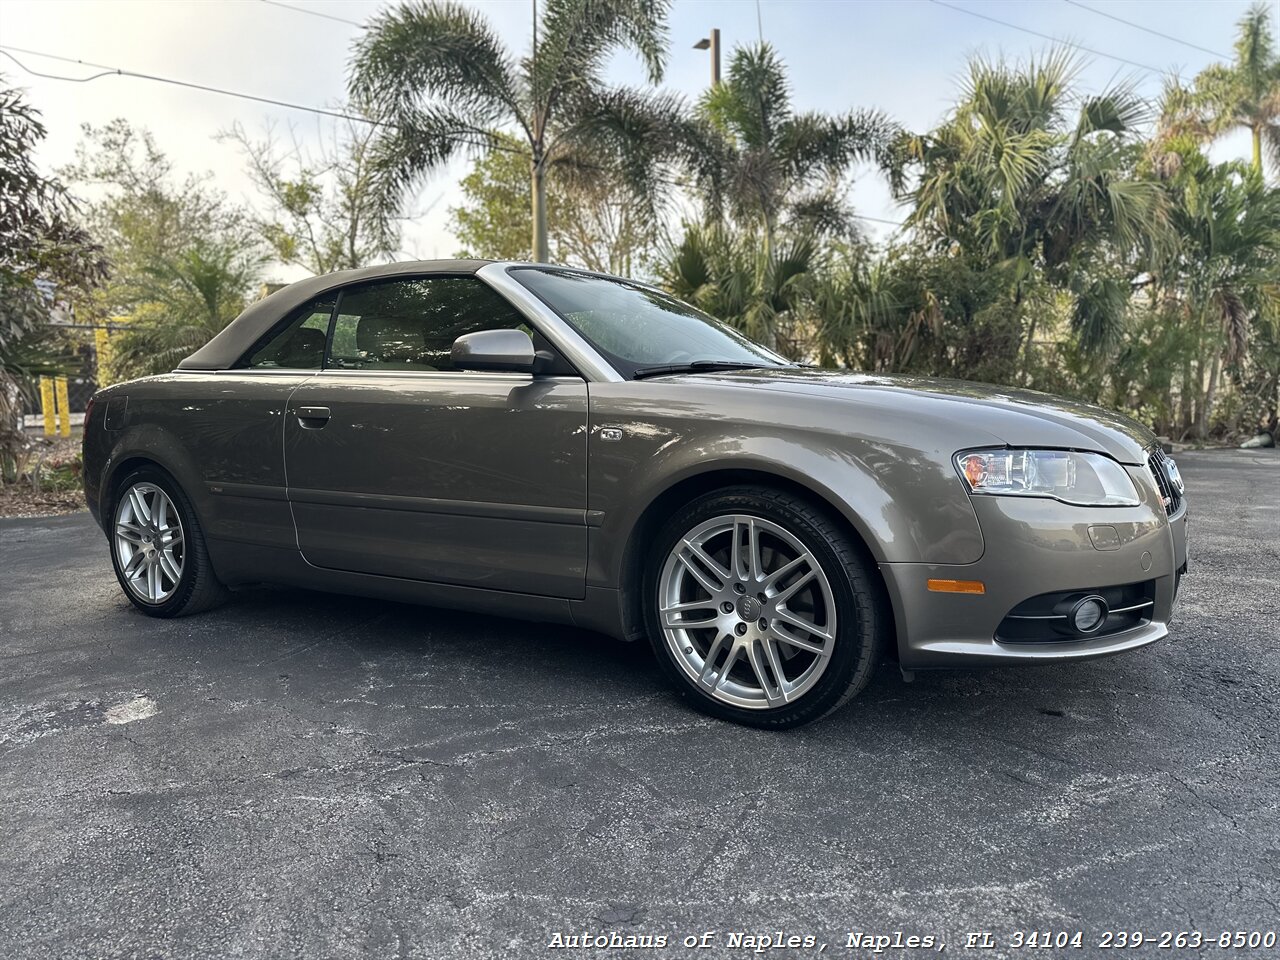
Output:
x=863 y=618
x=198 y=587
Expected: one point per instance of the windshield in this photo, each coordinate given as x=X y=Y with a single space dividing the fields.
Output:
x=636 y=328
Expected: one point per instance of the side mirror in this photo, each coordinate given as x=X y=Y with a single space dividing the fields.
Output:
x=510 y=350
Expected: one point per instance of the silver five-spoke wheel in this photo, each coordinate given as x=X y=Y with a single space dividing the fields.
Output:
x=747 y=611
x=149 y=542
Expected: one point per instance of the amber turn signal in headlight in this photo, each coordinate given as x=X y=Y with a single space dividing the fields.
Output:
x=1072 y=476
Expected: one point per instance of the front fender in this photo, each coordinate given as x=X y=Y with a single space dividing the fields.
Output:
x=903 y=499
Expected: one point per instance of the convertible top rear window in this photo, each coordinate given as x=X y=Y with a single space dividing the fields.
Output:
x=300 y=345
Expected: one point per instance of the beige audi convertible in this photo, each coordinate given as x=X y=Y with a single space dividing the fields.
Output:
x=546 y=443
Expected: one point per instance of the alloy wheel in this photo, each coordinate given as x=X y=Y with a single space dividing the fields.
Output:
x=149 y=543
x=747 y=611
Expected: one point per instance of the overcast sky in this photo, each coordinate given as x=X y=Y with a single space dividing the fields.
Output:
x=902 y=56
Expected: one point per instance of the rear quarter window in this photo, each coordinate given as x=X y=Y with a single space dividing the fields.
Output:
x=299 y=344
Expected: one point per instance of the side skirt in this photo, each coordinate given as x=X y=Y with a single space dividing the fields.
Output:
x=240 y=563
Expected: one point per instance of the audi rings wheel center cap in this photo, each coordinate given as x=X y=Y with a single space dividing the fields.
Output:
x=748 y=608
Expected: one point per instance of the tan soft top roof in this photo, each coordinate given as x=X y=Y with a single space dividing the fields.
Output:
x=258 y=318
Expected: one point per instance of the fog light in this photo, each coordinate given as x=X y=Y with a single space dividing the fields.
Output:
x=1089 y=614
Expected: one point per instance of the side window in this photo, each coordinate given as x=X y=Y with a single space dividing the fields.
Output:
x=411 y=324
x=300 y=345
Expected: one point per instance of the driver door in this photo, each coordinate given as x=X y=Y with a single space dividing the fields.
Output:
x=398 y=465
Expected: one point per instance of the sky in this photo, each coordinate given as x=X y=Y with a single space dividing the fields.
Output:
x=901 y=56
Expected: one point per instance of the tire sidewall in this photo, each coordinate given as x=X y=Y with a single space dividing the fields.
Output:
x=856 y=626
x=178 y=600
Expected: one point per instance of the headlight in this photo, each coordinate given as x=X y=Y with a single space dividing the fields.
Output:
x=1086 y=479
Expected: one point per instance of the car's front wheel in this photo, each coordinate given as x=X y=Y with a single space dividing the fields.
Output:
x=158 y=549
x=762 y=608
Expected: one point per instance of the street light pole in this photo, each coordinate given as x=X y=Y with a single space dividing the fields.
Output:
x=712 y=43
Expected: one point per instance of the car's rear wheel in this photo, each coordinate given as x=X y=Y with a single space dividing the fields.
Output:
x=158 y=548
x=762 y=608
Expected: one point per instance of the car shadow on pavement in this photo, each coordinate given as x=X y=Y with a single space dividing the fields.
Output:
x=331 y=643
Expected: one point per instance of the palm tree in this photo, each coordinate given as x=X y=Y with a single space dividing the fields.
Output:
x=1225 y=276
x=1040 y=184
x=184 y=301
x=434 y=75
x=771 y=185
x=767 y=167
x=1246 y=93
x=763 y=291
x=878 y=313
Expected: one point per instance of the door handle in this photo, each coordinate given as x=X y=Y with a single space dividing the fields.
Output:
x=312 y=418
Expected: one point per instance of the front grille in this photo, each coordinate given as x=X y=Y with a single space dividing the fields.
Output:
x=1045 y=619
x=1160 y=473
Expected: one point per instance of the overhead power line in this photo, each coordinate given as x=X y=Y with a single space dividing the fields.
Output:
x=314 y=13
x=892 y=223
x=108 y=71
x=472 y=137
x=1045 y=36
x=1146 y=29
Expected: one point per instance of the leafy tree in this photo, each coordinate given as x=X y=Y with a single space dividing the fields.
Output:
x=184 y=259
x=491 y=221
x=132 y=203
x=45 y=258
x=325 y=210
x=433 y=73
x=593 y=221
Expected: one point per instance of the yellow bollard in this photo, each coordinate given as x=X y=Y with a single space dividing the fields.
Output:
x=46 y=405
x=102 y=348
x=64 y=407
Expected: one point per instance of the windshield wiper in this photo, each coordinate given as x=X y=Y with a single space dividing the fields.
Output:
x=698 y=365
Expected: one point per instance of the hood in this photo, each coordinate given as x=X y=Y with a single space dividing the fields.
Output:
x=1018 y=418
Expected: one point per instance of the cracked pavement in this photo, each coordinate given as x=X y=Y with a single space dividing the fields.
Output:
x=297 y=774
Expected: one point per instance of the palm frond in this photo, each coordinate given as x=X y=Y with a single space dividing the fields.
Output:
x=637 y=133
x=755 y=99
x=577 y=36
x=1120 y=110
x=1043 y=88
x=438 y=49
x=1255 y=48
x=812 y=143
x=1098 y=314
x=419 y=142
x=1234 y=314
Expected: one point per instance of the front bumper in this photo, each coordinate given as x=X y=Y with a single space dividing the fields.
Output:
x=1035 y=547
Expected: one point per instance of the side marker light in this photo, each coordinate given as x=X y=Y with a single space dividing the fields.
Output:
x=956 y=586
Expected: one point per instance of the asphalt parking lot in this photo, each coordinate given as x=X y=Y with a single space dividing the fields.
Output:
x=303 y=775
